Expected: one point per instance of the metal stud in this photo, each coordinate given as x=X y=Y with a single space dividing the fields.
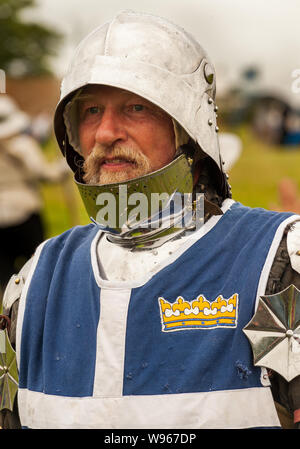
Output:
x=17 y=281
x=210 y=122
x=210 y=100
x=217 y=129
x=216 y=108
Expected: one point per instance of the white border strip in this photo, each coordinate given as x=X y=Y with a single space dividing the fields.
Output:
x=94 y=258
x=232 y=409
x=111 y=336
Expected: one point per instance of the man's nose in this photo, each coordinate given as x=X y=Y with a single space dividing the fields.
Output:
x=110 y=129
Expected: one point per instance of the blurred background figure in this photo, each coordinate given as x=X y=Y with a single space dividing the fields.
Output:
x=268 y=119
x=41 y=128
x=291 y=134
x=22 y=168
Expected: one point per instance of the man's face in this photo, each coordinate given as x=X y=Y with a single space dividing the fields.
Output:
x=122 y=136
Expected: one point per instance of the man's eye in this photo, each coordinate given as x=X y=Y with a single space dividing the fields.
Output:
x=138 y=107
x=93 y=110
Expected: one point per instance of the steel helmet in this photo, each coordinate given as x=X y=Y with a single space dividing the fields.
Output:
x=155 y=59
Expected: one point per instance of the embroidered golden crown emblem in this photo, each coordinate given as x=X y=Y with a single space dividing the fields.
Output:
x=198 y=313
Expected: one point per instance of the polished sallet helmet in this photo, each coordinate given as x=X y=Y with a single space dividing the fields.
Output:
x=157 y=60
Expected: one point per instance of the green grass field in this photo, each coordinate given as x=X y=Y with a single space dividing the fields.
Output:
x=254 y=181
x=255 y=177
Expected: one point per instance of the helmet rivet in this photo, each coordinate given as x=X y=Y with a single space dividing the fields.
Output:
x=217 y=129
x=208 y=73
x=210 y=122
x=210 y=100
x=216 y=108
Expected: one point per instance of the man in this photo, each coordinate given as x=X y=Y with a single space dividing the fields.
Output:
x=125 y=323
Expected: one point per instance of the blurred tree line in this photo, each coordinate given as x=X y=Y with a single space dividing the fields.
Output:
x=25 y=47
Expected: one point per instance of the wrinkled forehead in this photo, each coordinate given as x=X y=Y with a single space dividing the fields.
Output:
x=97 y=92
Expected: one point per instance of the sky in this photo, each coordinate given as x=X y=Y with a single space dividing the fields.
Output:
x=237 y=34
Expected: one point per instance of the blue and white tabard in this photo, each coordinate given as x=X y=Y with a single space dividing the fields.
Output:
x=167 y=351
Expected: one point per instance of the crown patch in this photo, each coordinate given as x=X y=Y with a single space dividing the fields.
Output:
x=198 y=313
